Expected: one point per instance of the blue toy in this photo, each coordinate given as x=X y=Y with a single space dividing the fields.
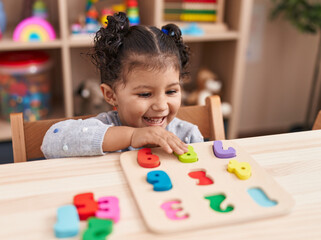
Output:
x=67 y=222
x=3 y=19
x=192 y=29
x=160 y=180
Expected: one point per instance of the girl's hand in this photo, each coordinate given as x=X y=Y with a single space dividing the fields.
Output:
x=158 y=136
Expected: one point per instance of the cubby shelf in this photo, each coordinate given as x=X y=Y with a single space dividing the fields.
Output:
x=221 y=48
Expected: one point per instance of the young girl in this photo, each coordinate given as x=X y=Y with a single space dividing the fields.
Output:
x=140 y=69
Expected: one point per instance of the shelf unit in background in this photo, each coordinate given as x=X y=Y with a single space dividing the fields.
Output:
x=220 y=49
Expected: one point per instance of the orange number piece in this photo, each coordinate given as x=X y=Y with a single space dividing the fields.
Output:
x=146 y=159
x=86 y=205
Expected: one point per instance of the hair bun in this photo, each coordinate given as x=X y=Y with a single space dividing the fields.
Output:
x=118 y=23
x=173 y=31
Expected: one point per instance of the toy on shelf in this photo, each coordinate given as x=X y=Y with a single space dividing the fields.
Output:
x=192 y=29
x=92 y=101
x=92 y=24
x=3 y=20
x=39 y=9
x=207 y=85
x=132 y=12
x=191 y=10
x=34 y=29
x=104 y=13
x=92 y=21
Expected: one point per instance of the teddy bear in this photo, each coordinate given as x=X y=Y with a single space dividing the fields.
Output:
x=207 y=85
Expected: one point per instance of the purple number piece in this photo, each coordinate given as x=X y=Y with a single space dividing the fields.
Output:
x=221 y=153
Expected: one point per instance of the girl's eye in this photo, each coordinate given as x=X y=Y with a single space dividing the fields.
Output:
x=170 y=92
x=144 y=95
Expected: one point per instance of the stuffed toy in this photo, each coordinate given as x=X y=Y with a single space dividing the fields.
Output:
x=207 y=85
x=92 y=100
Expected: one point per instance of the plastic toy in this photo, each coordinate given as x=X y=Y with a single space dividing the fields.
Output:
x=172 y=210
x=86 y=205
x=108 y=208
x=216 y=202
x=98 y=229
x=222 y=153
x=160 y=180
x=104 y=13
x=259 y=196
x=133 y=12
x=203 y=179
x=188 y=206
x=39 y=9
x=3 y=19
x=34 y=29
x=67 y=222
x=146 y=159
x=192 y=29
x=188 y=157
x=242 y=170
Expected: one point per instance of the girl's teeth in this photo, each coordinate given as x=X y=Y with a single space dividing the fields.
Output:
x=154 y=120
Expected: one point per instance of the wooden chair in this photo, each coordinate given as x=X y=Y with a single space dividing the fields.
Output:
x=27 y=136
x=317 y=122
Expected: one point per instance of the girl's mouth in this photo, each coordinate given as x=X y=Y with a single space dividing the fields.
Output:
x=154 y=121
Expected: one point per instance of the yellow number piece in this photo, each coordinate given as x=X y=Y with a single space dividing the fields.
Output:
x=242 y=170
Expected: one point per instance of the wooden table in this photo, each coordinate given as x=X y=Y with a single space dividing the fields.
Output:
x=30 y=193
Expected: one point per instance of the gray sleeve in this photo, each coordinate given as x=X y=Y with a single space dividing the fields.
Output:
x=196 y=135
x=74 y=138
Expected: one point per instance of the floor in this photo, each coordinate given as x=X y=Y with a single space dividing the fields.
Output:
x=6 y=155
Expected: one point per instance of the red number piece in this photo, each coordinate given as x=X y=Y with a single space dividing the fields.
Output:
x=201 y=176
x=86 y=205
x=146 y=159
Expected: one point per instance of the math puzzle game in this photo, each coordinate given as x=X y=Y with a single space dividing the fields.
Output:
x=214 y=183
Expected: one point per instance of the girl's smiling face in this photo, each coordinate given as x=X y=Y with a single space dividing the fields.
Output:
x=147 y=98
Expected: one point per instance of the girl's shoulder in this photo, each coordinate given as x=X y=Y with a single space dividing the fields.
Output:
x=179 y=123
x=110 y=117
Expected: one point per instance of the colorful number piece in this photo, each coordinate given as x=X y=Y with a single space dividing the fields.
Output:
x=98 y=229
x=86 y=205
x=108 y=208
x=189 y=157
x=172 y=210
x=215 y=203
x=259 y=196
x=222 y=153
x=67 y=224
x=146 y=159
x=242 y=170
x=202 y=178
x=160 y=180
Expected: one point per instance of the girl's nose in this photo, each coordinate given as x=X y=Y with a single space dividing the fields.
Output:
x=160 y=104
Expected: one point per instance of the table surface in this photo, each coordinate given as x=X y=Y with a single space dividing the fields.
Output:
x=31 y=192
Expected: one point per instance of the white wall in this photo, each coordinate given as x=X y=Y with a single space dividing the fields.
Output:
x=278 y=75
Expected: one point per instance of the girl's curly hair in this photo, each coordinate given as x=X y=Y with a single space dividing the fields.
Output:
x=119 y=48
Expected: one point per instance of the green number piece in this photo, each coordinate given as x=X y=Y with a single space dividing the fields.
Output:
x=98 y=229
x=215 y=203
x=188 y=157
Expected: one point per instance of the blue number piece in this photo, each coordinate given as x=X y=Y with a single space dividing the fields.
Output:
x=160 y=180
x=259 y=196
x=222 y=153
x=67 y=224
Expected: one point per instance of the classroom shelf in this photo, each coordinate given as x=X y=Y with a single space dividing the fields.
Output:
x=222 y=48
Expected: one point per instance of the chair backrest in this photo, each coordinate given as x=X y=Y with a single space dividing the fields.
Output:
x=208 y=118
x=27 y=136
x=317 y=122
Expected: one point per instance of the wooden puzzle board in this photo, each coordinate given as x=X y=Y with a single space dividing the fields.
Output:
x=191 y=195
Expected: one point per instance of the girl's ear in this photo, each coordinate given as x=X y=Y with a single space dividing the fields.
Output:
x=108 y=93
